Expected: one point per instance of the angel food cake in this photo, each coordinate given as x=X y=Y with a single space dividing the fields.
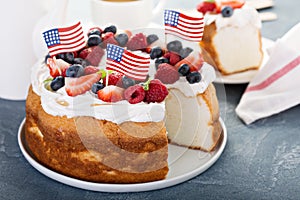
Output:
x=93 y=123
x=231 y=37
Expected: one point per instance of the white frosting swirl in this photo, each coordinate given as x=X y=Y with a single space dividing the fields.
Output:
x=244 y=16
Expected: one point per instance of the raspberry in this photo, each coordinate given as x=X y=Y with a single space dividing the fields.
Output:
x=84 y=53
x=134 y=94
x=167 y=74
x=172 y=57
x=109 y=37
x=205 y=7
x=95 y=55
x=114 y=79
x=157 y=92
x=137 y=42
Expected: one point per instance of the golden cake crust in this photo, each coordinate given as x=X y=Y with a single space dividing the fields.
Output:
x=96 y=150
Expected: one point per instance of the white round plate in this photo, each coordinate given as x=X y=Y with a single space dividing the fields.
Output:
x=184 y=164
x=245 y=77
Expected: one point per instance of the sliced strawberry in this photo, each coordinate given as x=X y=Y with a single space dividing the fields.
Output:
x=194 y=60
x=111 y=93
x=77 y=86
x=90 y=70
x=114 y=79
x=57 y=67
x=233 y=3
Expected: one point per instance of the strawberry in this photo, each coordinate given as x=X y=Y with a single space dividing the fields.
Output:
x=90 y=70
x=95 y=55
x=232 y=3
x=134 y=94
x=111 y=93
x=166 y=73
x=77 y=86
x=137 y=42
x=114 y=79
x=206 y=6
x=194 y=61
x=57 y=67
x=157 y=92
x=172 y=57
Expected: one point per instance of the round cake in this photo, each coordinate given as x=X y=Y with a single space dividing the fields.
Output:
x=90 y=119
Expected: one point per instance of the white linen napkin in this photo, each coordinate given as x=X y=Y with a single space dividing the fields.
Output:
x=275 y=87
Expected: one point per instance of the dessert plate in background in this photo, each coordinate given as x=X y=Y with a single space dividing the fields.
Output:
x=184 y=164
x=245 y=77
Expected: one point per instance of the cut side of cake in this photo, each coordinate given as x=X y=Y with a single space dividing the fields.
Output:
x=233 y=43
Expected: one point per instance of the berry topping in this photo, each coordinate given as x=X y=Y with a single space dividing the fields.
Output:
x=127 y=82
x=159 y=61
x=90 y=70
x=174 y=46
x=194 y=60
x=184 y=69
x=75 y=70
x=81 y=61
x=185 y=52
x=57 y=83
x=95 y=31
x=156 y=92
x=95 y=55
x=111 y=93
x=151 y=38
x=122 y=39
x=156 y=52
x=193 y=77
x=68 y=57
x=137 y=42
x=172 y=57
x=108 y=38
x=114 y=79
x=112 y=29
x=166 y=73
x=84 y=53
x=227 y=11
x=57 y=67
x=232 y=3
x=206 y=6
x=94 y=40
x=97 y=86
x=77 y=86
x=134 y=94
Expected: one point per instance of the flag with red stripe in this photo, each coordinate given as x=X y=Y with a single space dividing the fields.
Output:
x=184 y=26
x=62 y=40
x=128 y=63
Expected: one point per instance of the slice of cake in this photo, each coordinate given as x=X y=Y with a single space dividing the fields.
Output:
x=231 y=37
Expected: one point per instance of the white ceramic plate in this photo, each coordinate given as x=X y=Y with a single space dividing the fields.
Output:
x=184 y=164
x=245 y=77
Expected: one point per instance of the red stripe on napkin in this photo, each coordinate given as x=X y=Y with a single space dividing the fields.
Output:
x=277 y=75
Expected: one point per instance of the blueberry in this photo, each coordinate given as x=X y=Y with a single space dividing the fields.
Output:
x=151 y=38
x=156 y=52
x=185 y=52
x=57 y=83
x=75 y=70
x=174 y=46
x=94 y=31
x=193 y=77
x=227 y=11
x=68 y=57
x=46 y=58
x=159 y=61
x=127 y=82
x=111 y=28
x=122 y=39
x=97 y=86
x=81 y=61
x=94 y=40
x=184 y=69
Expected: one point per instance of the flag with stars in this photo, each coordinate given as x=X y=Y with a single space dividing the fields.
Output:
x=186 y=27
x=62 y=40
x=133 y=65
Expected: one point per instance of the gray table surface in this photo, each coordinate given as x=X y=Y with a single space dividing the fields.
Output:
x=260 y=161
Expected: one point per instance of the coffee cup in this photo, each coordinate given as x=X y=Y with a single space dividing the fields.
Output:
x=125 y=14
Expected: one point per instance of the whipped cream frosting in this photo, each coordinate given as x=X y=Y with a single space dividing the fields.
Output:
x=244 y=16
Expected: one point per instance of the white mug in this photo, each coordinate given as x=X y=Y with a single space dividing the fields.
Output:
x=125 y=14
x=17 y=20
